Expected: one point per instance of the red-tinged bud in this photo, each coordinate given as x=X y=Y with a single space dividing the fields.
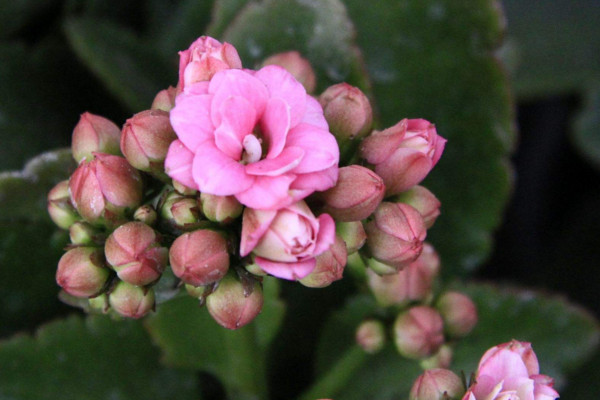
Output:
x=404 y=154
x=234 y=304
x=180 y=211
x=82 y=233
x=347 y=111
x=441 y=359
x=94 y=134
x=60 y=208
x=353 y=234
x=200 y=257
x=437 y=384
x=184 y=190
x=146 y=214
x=419 y=332
x=423 y=201
x=131 y=301
x=134 y=252
x=81 y=272
x=100 y=303
x=330 y=266
x=165 y=99
x=223 y=209
x=145 y=140
x=459 y=313
x=105 y=189
x=355 y=196
x=413 y=283
x=370 y=336
x=396 y=234
x=296 y=65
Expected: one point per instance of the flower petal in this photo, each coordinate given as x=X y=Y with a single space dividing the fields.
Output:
x=254 y=225
x=275 y=124
x=321 y=148
x=314 y=114
x=238 y=118
x=317 y=181
x=289 y=159
x=282 y=84
x=267 y=193
x=326 y=235
x=178 y=164
x=190 y=119
x=291 y=271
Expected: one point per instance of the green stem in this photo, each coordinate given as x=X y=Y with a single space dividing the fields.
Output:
x=338 y=376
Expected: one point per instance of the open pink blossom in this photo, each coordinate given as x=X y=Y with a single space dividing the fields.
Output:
x=285 y=242
x=255 y=135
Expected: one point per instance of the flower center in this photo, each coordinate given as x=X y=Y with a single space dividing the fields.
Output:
x=252 y=149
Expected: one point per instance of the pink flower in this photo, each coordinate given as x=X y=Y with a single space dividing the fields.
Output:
x=510 y=371
x=285 y=242
x=255 y=135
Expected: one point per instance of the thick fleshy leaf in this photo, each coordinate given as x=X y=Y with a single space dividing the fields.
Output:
x=89 y=359
x=586 y=134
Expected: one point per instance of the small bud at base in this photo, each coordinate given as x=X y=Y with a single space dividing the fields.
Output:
x=370 y=336
x=418 y=332
x=131 y=301
x=231 y=306
x=458 y=312
x=81 y=272
x=437 y=384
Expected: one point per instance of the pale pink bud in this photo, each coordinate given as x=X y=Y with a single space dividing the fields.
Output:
x=94 y=134
x=234 y=304
x=404 y=154
x=181 y=211
x=200 y=257
x=370 y=336
x=204 y=58
x=458 y=312
x=395 y=235
x=83 y=233
x=441 y=359
x=353 y=234
x=419 y=332
x=165 y=99
x=347 y=111
x=146 y=214
x=423 y=201
x=60 y=209
x=131 y=301
x=81 y=272
x=223 y=209
x=134 y=252
x=437 y=384
x=356 y=194
x=296 y=65
x=146 y=139
x=330 y=266
x=105 y=188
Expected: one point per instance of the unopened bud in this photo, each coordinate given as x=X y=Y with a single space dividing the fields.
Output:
x=60 y=208
x=423 y=201
x=165 y=99
x=255 y=269
x=296 y=65
x=83 y=233
x=100 y=303
x=347 y=111
x=195 y=291
x=234 y=304
x=459 y=313
x=441 y=359
x=134 y=252
x=94 y=134
x=184 y=190
x=330 y=266
x=131 y=301
x=200 y=257
x=180 y=211
x=437 y=384
x=81 y=272
x=418 y=332
x=353 y=234
x=146 y=214
x=223 y=209
x=370 y=336
x=355 y=196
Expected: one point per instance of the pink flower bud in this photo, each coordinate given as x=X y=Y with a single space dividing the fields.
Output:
x=441 y=359
x=180 y=211
x=330 y=266
x=396 y=234
x=200 y=257
x=370 y=336
x=234 y=304
x=204 y=58
x=60 y=209
x=81 y=272
x=353 y=234
x=356 y=194
x=437 y=384
x=105 y=188
x=423 y=201
x=347 y=110
x=131 y=301
x=296 y=65
x=135 y=253
x=223 y=209
x=146 y=139
x=404 y=154
x=165 y=99
x=418 y=332
x=82 y=233
x=458 y=312
x=285 y=242
x=94 y=134
x=413 y=283
x=146 y=214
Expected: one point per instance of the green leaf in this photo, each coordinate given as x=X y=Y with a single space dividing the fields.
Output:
x=15 y=15
x=130 y=68
x=586 y=384
x=586 y=133
x=434 y=59
x=89 y=359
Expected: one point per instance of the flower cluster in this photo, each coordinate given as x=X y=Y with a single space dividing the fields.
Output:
x=235 y=174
